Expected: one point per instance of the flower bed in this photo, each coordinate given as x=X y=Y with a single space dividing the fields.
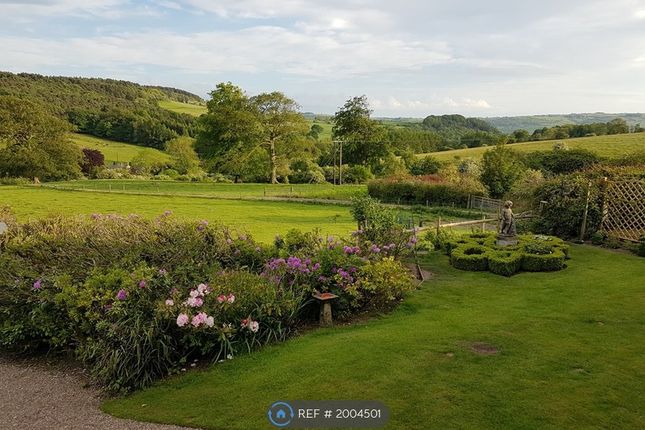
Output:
x=136 y=299
x=533 y=253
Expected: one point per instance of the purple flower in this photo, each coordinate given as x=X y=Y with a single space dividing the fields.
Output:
x=122 y=294
x=38 y=285
x=142 y=283
x=316 y=267
x=375 y=249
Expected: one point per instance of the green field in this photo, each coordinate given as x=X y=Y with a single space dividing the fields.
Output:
x=262 y=219
x=116 y=151
x=565 y=350
x=234 y=191
x=606 y=146
x=179 y=107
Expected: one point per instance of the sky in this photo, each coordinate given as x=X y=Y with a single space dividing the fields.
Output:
x=411 y=58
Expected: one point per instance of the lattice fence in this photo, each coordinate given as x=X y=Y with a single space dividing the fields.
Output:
x=624 y=214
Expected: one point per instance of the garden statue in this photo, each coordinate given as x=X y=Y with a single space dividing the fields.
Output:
x=507 y=231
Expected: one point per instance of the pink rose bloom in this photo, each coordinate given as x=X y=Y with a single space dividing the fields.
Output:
x=194 y=302
x=230 y=298
x=202 y=289
x=221 y=298
x=194 y=293
x=170 y=302
x=244 y=323
x=182 y=320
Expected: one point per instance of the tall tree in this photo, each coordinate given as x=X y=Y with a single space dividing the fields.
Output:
x=35 y=143
x=501 y=167
x=363 y=139
x=280 y=121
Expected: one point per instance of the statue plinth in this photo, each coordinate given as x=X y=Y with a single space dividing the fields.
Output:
x=507 y=240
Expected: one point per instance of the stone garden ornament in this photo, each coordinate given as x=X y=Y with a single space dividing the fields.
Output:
x=507 y=230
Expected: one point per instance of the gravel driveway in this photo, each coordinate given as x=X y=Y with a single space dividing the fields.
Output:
x=42 y=396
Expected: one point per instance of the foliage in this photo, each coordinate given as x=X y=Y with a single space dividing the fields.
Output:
x=565 y=200
x=185 y=159
x=424 y=191
x=146 y=163
x=501 y=167
x=93 y=160
x=364 y=140
x=640 y=250
x=34 y=143
x=480 y=252
x=562 y=161
x=427 y=165
x=452 y=127
x=115 y=110
x=136 y=299
x=304 y=171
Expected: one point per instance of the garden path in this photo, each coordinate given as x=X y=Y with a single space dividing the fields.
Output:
x=35 y=395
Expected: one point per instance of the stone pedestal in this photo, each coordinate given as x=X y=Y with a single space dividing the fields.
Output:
x=504 y=240
x=325 y=299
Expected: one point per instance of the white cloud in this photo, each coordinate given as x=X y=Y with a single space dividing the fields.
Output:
x=254 y=50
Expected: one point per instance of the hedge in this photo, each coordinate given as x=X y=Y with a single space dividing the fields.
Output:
x=505 y=263
x=533 y=253
x=419 y=192
x=471 y=257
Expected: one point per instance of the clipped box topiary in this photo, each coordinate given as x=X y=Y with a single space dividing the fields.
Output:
x=544 y=262
x=505 y=263
x=470 y=257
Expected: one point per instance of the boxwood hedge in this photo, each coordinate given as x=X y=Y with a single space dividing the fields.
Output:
x=533 y=253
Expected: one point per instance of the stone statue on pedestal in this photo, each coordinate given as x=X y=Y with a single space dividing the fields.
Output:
x=507 y=231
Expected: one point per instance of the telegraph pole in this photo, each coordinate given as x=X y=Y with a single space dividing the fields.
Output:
x=340 y=165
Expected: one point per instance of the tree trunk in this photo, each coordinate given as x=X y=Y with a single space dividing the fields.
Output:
x=274 y=167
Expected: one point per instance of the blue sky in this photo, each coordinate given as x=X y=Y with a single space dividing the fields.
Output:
x=411 y=58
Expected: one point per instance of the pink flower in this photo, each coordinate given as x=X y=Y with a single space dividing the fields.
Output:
x=142 y=283
x=230 y=298
x=170 y=302
x=202 y=289
x=221 y=298
x=122 y=294
x=182 y=320
x=194 y=302
x=163 y=272
x=244 y=323
x=199 y=319
x=38 y=285
x=194 y=293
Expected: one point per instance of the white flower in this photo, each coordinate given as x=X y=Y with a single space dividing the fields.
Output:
x=254 y=326
x=230 y=356
x=202 y=289
x=210 y=321
x=170 y=302
x=194 y=293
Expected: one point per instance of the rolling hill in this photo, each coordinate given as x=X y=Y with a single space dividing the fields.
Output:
x=610 y=146
x=508 y=124
x=116 y=152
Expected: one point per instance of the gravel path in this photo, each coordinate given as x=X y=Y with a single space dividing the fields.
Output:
x=41 y=396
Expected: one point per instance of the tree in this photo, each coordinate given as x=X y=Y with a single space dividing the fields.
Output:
x=427 y=165
x=236 y=125
x=34 y=142
x=520 y=135
x=93 y=160
x=617 y=126
x=185 y=159
x=314 y=131
x=501 y=167
x=363 y=139
x=280 y=122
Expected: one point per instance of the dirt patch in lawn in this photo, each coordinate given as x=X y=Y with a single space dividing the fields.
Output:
x=483 y=348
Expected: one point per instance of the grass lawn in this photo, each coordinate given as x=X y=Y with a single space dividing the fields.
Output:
x=606 y=146
x=262 y=219
x=115 y=151
x=570 y=355
x=317 y=191
x=179 y=107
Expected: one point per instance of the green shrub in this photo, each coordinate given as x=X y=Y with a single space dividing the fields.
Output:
x=544 y=262
x=504 y=263
x=598 y=238
x=471 y=257
x=640 y=250
x=382 y=284
x=414 y=191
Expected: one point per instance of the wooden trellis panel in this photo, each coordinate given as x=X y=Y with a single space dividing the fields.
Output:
x=624 y=215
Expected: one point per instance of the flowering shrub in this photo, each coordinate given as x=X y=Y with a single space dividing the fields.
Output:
x=136 y=299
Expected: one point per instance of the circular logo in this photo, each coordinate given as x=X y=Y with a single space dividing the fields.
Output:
x=280 y=414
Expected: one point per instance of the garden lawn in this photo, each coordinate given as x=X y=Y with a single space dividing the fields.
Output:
x=312 y=191
x=262 y=219
x=571 y=347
